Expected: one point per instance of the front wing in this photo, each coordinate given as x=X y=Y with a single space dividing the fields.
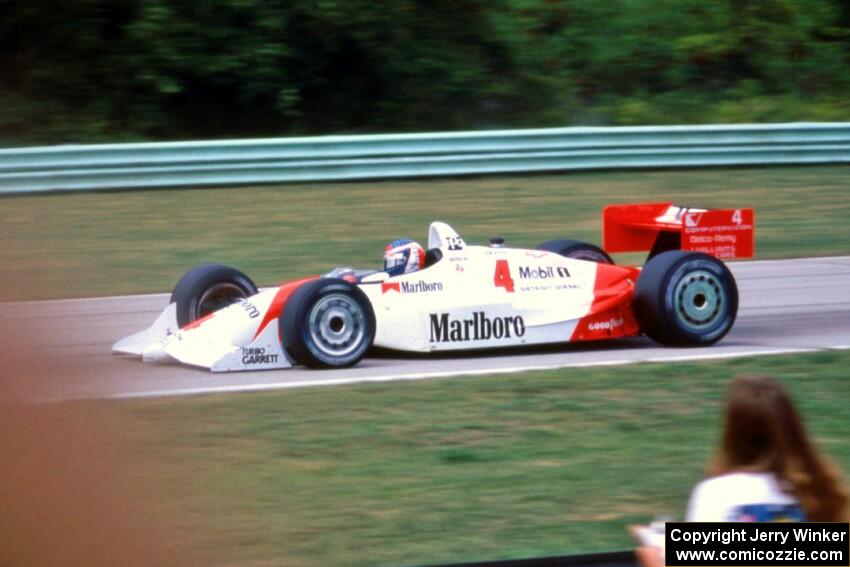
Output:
x=242 y=336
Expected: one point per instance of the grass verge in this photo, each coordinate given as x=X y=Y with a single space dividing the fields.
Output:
x=94 y=244
x=543 y=463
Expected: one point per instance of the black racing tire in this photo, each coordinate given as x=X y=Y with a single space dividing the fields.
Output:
x=327 y=323
x=685 y=299
x=577 y=249
x=208 y=288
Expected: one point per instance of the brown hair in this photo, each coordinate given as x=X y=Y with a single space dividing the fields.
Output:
x=764 y=432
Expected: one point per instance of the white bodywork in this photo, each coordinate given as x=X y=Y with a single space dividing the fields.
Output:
x=473 y=297
x=231 y=339
x=419 y=311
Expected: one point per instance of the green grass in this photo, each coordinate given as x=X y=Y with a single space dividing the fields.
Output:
x=91 y=244
x=542 y=463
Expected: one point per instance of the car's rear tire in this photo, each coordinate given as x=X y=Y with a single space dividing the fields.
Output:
x=327 y=323
x=208 y=288
x=577 y=250
x=685 y=299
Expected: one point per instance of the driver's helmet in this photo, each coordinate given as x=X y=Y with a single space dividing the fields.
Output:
x=403 y=256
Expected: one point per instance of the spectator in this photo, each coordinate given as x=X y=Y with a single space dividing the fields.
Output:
x=766 y=468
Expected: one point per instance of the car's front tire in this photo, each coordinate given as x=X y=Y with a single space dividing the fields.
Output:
x=208 y=288
x=685 y=299
x=327 y=323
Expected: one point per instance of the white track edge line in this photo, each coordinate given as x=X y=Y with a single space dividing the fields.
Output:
x=718 y=356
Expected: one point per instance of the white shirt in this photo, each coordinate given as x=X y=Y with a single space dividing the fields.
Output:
x=742 y=496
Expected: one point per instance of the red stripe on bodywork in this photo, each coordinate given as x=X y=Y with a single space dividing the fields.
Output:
x=197 y=322
x=279 y=301
x=610 y=313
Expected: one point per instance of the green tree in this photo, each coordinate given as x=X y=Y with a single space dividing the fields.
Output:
x=97 y=70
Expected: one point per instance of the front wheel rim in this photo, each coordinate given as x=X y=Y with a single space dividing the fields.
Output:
x=699 y=299
x=337 y=325
x=218 y=297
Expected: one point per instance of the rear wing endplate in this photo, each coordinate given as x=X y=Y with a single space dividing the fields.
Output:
x=657 y=227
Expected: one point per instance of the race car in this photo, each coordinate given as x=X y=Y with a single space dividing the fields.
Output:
x=467 y=297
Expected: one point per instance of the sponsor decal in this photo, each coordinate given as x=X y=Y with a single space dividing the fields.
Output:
x=617 y=322
x=548 y=286
x=252 y=310
x=393 y=286
x=543 y=272
x=692 y=219
x=454 y=243
x=420 y=286
x=608 y=325
x=721 y=233
x=701 y=239
x=458 y=262
x=479 y=327
x=257 y=355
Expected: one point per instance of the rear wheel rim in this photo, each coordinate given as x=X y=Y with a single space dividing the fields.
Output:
x=337 y=325
x=218 y=297
x=699 y=300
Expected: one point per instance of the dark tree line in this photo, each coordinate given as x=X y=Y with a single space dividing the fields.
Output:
x=104 y=70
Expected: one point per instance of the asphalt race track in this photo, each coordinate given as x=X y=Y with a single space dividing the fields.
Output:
x=785 y=306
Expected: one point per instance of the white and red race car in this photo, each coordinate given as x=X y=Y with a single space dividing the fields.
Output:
x=467 y=297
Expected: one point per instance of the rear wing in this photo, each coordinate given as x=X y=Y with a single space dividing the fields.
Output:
x=657 y=227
